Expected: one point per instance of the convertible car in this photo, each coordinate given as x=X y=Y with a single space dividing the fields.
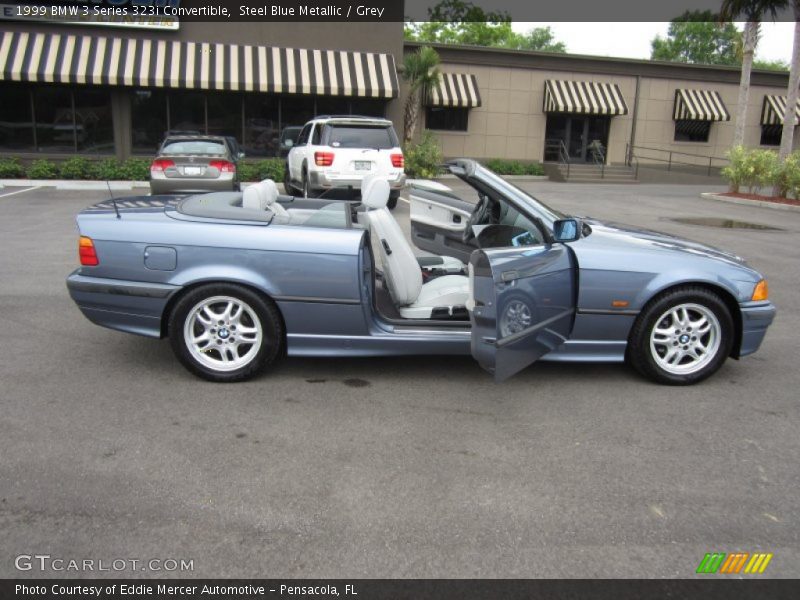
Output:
x=237 y=279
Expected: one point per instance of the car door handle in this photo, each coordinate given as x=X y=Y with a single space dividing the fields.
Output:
x=507 y=276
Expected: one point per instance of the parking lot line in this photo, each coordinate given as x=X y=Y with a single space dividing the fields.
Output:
x=20 y=191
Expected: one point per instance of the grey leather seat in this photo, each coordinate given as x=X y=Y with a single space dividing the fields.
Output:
x=402 y=273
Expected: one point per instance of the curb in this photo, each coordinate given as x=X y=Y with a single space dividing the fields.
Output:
x=744 y=202
x=77 y=185
x=508 y=177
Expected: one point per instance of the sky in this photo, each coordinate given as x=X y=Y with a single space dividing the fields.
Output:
x=632 y=40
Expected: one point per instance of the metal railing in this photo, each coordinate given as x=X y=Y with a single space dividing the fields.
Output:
x=560 y=149
x=669 y=156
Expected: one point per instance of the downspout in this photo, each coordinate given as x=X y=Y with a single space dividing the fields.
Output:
x=634 y=118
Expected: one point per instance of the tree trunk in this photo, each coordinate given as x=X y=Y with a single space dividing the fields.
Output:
x=410 y=117
x=791 y=97
x=749 y=48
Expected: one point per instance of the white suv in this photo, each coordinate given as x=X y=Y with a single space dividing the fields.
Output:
x=337 y=152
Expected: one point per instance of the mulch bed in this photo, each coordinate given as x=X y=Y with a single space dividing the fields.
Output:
x=775 y=199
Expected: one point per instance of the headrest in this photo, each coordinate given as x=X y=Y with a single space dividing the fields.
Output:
x=269 y=191
x=374 y=191
x=252 y=198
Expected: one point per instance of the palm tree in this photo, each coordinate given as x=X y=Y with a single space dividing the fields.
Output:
x=754 y=12
x=787 y=135
x=420 y=71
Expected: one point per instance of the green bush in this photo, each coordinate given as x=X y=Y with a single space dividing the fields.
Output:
x=513 y=167
x=76 y=167
x=107 y=169
x=134 y=169
x=789 y=183
x=752 y=168
x=42 y=169
x=269 y=168
x=423 y=160
x=10 y=168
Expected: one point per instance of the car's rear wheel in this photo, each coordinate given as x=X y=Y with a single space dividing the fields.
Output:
x=307 y=192
x=682 y=336
x=225 y=332
x=393 y=196
x=287 y=181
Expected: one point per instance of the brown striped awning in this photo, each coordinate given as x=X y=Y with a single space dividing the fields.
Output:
x=774 y=108
x=456 y=90
x=699 y=105
x=583 y=97
x=91 y=60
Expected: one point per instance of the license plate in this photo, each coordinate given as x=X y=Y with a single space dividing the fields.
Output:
x=193 y=170
x=362 y=165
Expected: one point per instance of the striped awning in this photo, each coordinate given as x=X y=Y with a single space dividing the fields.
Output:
x=583 y=97
x=699 y=105
x=83 y=59
x=774 y=108
x=455 y=89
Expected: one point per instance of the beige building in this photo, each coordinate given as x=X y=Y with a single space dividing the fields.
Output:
x=534 y=106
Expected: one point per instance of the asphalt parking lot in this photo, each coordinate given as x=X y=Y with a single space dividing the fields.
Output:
x=396 y=467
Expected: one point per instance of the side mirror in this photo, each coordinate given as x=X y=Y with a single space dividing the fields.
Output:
x=567 y=230
x=241 y=155
x=288 y=143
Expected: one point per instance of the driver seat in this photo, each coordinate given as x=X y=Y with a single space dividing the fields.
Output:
x=402 y=273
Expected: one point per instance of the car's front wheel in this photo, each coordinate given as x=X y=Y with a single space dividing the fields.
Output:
x=393 y=197
x=225 y=332
x=682 y=336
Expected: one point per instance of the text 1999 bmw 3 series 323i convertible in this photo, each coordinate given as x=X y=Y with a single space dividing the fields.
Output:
x=237 y=279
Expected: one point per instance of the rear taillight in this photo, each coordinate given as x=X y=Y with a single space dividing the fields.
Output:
x=223 y=165
x=323 y=159
x=161 y=164
x=87 y=253
x=398 y=161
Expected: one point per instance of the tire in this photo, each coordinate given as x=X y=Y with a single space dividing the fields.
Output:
x=663 y=344
x=393 y=196
x=307 y=193
x=241 y=360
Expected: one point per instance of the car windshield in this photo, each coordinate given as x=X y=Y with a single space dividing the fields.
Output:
x=194 y=147
x=541 y=210
x=380 y=137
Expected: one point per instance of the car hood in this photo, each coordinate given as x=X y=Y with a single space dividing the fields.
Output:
x=638 y=238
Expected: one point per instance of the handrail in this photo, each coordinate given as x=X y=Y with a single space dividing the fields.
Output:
x=670 y=160
x=563 y=155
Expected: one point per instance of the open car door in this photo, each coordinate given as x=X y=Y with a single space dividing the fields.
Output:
x=522 y=304
x=439 y=219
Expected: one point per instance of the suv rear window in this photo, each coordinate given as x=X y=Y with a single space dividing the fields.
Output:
x=195 y=147
x=380 y=137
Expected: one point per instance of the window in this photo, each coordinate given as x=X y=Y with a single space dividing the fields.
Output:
x=692 y=131
x=297 y=110
x=224 y=113
x=262 y=125
x=302 y=140
x=94 y=129
x=332 y=105
x=195 y=147
x=55 y=125
x=360 y=136
x=148 y=119
x=446 y=119
x=368 y=107
x=16 y=120
x=187 y=112
x=771 y=135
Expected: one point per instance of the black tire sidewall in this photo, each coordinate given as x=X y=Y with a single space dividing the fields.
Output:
x=266 y=311
x=639 y=354
x=393 y=197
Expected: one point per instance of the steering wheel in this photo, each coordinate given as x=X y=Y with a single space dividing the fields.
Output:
x=479 y=216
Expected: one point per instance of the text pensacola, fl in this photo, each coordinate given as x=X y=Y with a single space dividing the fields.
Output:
x=161 y=589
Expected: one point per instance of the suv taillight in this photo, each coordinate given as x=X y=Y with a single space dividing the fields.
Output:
x=323 y=159
x=161 y=164
x=86 y=252
x=398 y=161
x=223 y=165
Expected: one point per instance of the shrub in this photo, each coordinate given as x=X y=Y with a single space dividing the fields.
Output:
x=752 y=169
x=790 y=176
x=76 y=168
x=42 y=169
x=107 y=169
x=134 y=169
x=513 y=167
x=423 y=160
x=10 y=168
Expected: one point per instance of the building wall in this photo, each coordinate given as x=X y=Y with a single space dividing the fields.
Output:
x=510 y=123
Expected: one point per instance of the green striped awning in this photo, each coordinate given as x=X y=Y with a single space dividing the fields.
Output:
x=84 y=59
x=699 y=105
x=583 y=97
x=456 y=90
x=774 y=108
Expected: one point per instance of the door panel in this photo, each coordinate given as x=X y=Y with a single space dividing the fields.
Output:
x=438 y=221
x=522 y=303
